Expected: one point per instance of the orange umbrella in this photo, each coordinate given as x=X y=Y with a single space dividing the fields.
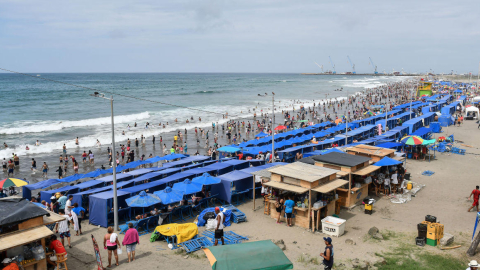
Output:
x=280 y=127
x=338 y=121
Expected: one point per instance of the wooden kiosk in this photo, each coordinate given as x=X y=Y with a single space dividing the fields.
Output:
x=375 y=153
x=25 y=225
x=301 y=178
x=348 y=165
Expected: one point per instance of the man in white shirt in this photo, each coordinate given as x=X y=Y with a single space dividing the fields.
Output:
x=387 y=185
x=394 y=182
x=68 y=205
x=62 y=228
x=219 y=228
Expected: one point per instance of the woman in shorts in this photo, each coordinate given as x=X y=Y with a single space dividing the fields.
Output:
x=131 y=240
x=111 y=243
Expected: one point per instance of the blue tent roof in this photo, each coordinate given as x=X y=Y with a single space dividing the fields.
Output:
x=262 y=167
x=149 y=176
x=143 y=200
x=138 y=172
x=188 y=187
x=386 y=161
x=389 y=145
x=120 y=177
x=235 y=176
x=169 y=195
x=206 y=179
x=88 y=184
x=42 y=184
x=172 y=156
x=109 y=194
x=261 y=134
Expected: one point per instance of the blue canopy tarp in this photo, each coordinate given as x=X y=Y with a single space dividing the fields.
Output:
x=389 y=145
x=172 y=157
x=143 y=200
x=46 y=194
x=169 y=195
x=239 y=179
x=90 y=184
x=262 y=167
x=206 y=179
x=188 y=187
x=139 y=172
x=261 y=134
x=149 y=176
x=386 y=161
x=423 y=132
x=120 y=177
x=229 y=149
x=101 y=203
x=238 y=164
x=27 y=190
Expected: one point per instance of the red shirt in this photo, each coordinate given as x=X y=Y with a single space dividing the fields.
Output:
x=57 y=246
x=476 y=193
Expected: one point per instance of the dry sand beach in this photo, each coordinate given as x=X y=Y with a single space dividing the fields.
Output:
x=444 y=196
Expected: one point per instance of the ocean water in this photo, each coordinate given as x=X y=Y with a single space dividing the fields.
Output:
x=55 y=114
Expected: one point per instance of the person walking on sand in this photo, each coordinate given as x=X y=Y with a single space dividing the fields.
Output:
x=476 y=194
x=219 y=228
x=62 y=228
x=111 y=243
x=130 y=241
x=45 y=169
x=328 y=254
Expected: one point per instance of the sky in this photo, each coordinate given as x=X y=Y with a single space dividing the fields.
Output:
x=239 y=36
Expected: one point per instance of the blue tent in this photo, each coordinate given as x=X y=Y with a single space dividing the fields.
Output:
x=169 y=195
x=261 y=134
x=149 y=176
x=101 y=203
x=120 y=177
x=206 y=179
x=139 y=172
x=239 y=179
x=390 y=145
x=262 y=167
x=172 y=156
x=238 y=164
x=458 y=91
x=188 y=187
x=27 y=190
x=90 y=184
x=96 y=173
x=386 y=161
x=45 y=195
x=143 y=200
x=79 y=196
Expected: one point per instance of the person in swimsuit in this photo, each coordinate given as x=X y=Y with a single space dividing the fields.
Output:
x=76 y=141
x=45 y=169
x=111 y=247
x=34 y=164
x=75 y=166
x=11 y=167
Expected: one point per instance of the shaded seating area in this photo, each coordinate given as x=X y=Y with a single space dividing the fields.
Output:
x=233 y=187
x=101 y=204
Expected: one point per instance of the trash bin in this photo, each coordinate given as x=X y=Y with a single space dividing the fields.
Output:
x=368 y=205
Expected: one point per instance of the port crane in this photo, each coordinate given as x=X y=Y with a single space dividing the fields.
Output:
x=333 y=65
x=352 y=64
x=319 y=66
x=373 y=65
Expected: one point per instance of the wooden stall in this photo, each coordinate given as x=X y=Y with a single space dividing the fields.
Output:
x=301 y=178
x=373 y=152
x=25 y=226
x=348 y=165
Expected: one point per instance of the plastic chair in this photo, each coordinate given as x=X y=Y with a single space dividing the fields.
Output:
x=188 y=210
x=142 y=226
x=415 y=156
x=152 y=221
x=177 y=211
x=61 y=259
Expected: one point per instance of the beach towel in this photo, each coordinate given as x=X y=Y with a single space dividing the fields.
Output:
x=113 y=238
x=184 y=232
x=75 y=221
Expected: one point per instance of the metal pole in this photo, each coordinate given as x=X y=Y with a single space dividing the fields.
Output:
x=114 y=164
x=273 y=125
x=386 y=112
x=346 y=122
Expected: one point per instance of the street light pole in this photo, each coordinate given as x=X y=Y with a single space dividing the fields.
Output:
x=273 y=125
x=114 y=163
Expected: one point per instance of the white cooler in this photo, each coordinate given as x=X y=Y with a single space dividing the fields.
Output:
x=333 y=226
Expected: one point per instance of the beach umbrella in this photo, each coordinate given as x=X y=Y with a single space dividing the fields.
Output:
x=206 y=179
x=9 y=182
x=412 y=140
x=386 y=161
x=338 y=121
x=301 y=121
x=187 y=187
x=143 y=200
x=169 y=195
x=281 y=127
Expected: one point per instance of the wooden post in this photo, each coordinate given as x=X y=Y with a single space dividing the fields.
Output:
x=347 y=203
x=309 y=208
x=473 y=247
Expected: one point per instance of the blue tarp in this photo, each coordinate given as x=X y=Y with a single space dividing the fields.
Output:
x=389 y=145
x=143 y=200
x=138 y=172
x=423 y=132
x=241 y=180
x=172 y=157
x=90 y=184
x=261 y=134
x=206 y=179
x=151 y=186
x=120 y=177
x=46 y=194
x=386 y=161
x=227 y=215
x=229 y=149
x=169 y=195
x=78 y=197
x=27 y=190
x=238 y=164
x=101 y=203
x=149 y=176
x=188 y=187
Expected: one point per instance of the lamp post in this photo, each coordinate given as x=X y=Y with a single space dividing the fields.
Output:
x=273 y=123
x=114 y=163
